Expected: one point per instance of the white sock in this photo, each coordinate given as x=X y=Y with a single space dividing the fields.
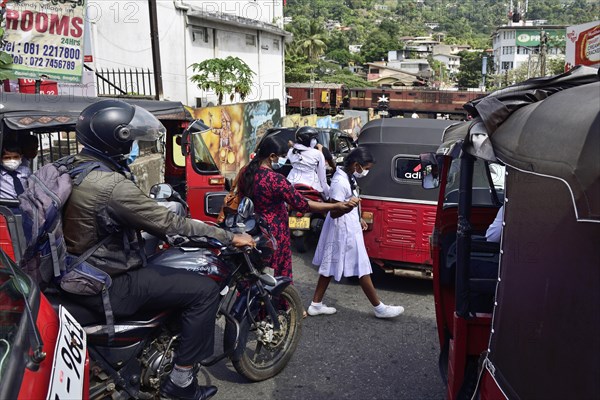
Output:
x=316 y=305
x=182 y=376
x=380 y=307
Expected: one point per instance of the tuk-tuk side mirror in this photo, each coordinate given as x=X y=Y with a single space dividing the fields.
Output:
x=184 y=142
x=429 y=171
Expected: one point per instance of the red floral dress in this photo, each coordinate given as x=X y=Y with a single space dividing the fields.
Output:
x=271 y=193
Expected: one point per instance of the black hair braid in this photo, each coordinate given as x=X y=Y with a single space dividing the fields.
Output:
x=247 y=179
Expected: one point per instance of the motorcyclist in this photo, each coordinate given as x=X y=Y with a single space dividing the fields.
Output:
x=108 y=203
x=308 y=163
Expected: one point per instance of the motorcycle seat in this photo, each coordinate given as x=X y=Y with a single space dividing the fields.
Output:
x=86 y=316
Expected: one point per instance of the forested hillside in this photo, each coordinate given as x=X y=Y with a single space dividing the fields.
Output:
x=378 y=25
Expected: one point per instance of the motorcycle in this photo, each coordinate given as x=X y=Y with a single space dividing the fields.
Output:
x=305 y=226
x=259 y=316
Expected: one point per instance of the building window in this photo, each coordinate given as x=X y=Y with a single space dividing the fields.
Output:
x=507 y=65
x=374 y=71
x=276 y=44
x=250 y=40
x=508 y=49
x=200 y=35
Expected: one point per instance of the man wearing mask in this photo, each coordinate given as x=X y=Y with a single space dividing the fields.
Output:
x=108 y=207
x=13 y=175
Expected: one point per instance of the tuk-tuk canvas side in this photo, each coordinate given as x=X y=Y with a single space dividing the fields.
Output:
x=549 y=138
x=545 y=341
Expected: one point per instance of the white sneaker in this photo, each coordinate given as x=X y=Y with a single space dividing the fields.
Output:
x=323 y=310
x=389 y=312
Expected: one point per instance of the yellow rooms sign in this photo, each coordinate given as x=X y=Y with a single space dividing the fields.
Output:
x=45 y=39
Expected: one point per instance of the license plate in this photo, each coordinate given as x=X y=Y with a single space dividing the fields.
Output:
x=299 y=222
x=68 y=366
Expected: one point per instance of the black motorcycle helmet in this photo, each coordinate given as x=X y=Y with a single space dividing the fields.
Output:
x=111 y=126
x=305 y=134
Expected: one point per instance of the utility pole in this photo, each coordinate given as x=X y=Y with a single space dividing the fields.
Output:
x=155 y=50
x=543 y=46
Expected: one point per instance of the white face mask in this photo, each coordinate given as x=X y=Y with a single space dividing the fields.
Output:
x=280 y=163
x=313 y=143
x=11 y=165
x=362 y=174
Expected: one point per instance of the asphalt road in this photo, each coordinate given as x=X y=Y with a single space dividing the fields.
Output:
x=352 y=354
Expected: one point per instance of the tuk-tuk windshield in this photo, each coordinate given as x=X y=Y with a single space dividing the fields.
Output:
x=12 y=307
x=203 y=160
x=484 y=186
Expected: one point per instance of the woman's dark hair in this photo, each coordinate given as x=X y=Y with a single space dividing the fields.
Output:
x=359 y=155
x=269 y=145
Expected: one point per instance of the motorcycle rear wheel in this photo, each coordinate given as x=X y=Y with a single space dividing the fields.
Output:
x=266 y=352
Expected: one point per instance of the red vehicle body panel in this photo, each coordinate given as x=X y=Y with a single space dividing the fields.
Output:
x=35 y=384
x=400 y=231
x=5 y=240
x=198 y=185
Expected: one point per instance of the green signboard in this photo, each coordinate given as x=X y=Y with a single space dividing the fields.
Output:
x=531 y=37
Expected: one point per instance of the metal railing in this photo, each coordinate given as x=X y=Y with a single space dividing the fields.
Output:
x=127 y=82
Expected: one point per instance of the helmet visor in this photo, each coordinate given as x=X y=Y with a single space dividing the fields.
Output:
x=144 y=126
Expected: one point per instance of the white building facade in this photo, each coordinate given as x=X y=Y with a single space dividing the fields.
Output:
x=190 y=32
x=513 y=44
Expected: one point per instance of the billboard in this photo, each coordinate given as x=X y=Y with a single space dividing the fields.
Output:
x=45 y=39
x=531 y=37
x=583 y=45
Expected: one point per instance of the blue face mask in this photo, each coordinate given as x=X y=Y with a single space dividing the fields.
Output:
x=280 y=163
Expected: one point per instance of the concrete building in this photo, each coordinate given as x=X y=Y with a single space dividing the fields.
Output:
x=384 y=75
x=190 y=31
x=513 y=44
x=452 y=62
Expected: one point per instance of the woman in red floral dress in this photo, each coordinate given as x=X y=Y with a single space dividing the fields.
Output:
x=270 y=191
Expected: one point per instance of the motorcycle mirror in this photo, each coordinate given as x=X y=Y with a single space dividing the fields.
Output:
x=429 y=171
x=161 y=191
x=267 y=279
x=246 y=208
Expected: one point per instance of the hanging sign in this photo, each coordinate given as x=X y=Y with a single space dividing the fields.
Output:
x=45 y=39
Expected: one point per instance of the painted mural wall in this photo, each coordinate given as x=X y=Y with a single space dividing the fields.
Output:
x=235 y=131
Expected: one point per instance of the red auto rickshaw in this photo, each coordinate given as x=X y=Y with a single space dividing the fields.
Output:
x=399 y=212
x=535 y=334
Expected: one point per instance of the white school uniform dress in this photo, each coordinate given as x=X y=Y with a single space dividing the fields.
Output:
x=308 y=168
x=341 y=250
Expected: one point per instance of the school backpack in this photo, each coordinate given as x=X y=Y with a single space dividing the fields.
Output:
x=45 y=258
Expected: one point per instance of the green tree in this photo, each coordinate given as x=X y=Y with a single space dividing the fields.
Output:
x=297 y=67
x=469 y=74
x=377 y=46
x=311 y=40
x=230 y=75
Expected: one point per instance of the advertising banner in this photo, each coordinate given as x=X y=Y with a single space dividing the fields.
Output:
x=236 y=130
x=531 y=37
x=45 y=39
x=583 y=45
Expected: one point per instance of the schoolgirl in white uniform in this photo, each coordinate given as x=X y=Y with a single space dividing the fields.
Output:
x=341 y=250
x=308 y=163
